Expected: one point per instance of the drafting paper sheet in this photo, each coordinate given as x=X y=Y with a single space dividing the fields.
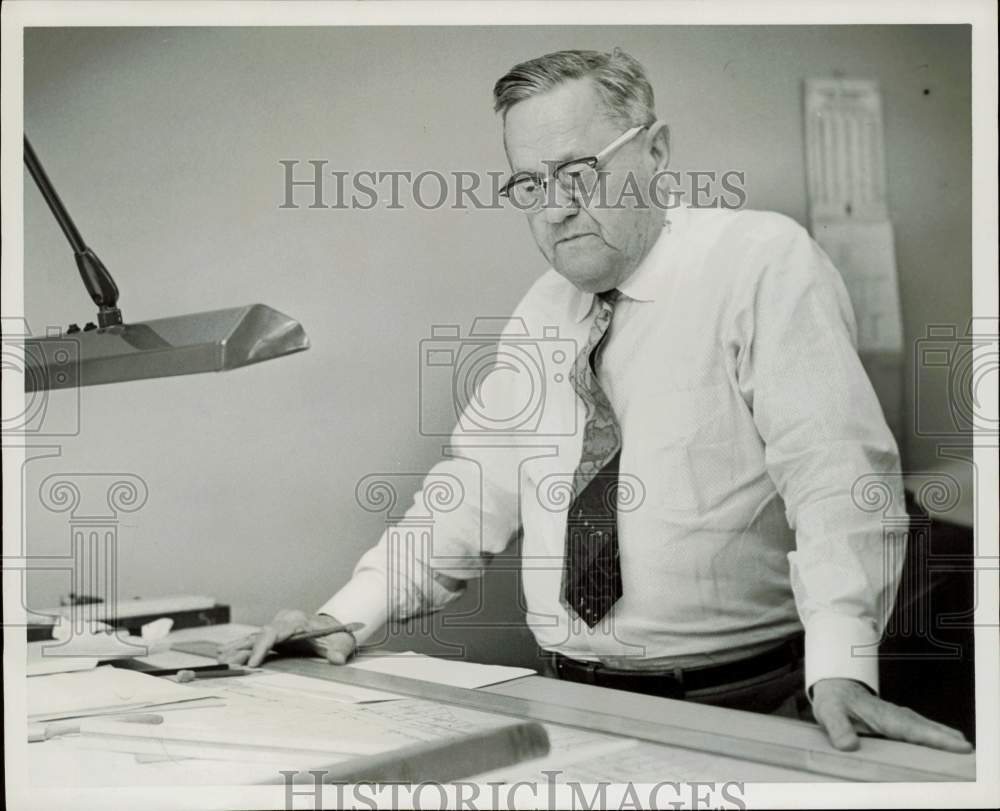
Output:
x=101 y=691
x=452 y=672
x=254 y=709
x=580 y=757
x=287 y=684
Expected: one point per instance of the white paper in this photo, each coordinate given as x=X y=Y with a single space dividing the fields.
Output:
x=261 y=721
x=103 y=690
x=622 y=760
x=38 y=664
x=845 y=150
x=157 y=629
x=408 y=664
x=82 y=766
x=452 y=672
x=864 y=254
x=237 y=736
x=317 y=688
x=428 y=720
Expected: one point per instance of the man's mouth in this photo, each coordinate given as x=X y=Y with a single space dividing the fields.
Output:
x=575 y=238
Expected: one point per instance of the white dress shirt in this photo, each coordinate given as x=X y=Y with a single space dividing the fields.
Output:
x=747 y=422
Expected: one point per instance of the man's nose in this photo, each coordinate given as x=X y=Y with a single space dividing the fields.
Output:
x=559 y=204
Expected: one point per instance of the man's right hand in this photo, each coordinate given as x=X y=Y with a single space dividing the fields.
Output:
x=337 y=647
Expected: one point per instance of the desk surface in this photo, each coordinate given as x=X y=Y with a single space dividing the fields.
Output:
x=636 y=761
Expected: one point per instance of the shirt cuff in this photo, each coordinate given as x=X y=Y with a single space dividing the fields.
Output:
x=364 y=600
x=841 y=647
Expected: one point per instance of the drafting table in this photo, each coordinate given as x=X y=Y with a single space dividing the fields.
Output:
x=640 y=738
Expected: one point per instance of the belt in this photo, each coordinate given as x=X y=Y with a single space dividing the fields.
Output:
x=677 y=682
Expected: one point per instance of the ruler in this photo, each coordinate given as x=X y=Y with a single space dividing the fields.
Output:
x=850 y=766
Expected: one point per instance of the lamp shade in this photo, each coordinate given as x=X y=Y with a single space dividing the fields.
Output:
x=213 y=341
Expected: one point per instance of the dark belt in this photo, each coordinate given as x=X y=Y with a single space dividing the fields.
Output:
x=676 y=683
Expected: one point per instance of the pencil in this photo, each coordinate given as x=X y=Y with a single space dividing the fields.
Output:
x=184 y=675
x=350 y=628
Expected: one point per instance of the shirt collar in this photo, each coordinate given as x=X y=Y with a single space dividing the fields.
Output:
x=582 y=304
x=643 y=284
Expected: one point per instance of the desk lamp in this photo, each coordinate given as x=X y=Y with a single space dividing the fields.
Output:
x=112 y=350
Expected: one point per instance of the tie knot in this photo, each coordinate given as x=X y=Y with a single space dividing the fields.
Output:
x=610 y=296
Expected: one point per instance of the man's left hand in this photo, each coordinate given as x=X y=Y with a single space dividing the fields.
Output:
x=845 y=707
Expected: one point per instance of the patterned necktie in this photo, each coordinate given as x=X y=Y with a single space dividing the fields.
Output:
x=592 y=578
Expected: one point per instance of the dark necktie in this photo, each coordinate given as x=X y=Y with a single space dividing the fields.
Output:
x=592 y=578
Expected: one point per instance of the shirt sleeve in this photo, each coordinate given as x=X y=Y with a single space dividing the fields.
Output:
x=465 y=512
x=826 y=440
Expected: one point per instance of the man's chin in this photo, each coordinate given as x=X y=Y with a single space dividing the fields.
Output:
x=587 y=279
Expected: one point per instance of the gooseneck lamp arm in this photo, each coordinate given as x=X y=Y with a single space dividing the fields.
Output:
x=115 y=352
x=96 y=278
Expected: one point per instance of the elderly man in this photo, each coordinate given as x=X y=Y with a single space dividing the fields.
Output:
x=686 y=508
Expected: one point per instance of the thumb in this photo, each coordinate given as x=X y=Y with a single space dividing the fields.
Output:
x=337 y=648
x=833 y=716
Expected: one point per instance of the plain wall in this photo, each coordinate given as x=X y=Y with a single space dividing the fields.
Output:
x=164 y=144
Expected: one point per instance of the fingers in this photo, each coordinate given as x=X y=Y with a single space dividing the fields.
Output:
x=336 y=647
x=236 y=652
x=252 y=649
x=244 y=642
x=238 y=657
x=834 y=718
x=268 y=636
x=840 y=706
x=903 y=724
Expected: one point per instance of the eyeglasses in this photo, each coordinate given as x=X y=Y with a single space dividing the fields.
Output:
x=528 y=191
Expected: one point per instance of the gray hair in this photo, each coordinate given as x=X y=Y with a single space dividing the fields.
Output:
x=619 y=78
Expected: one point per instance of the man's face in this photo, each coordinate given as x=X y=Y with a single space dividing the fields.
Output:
x=596 y=247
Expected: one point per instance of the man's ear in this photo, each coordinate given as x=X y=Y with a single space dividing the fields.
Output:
x=658 y=145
